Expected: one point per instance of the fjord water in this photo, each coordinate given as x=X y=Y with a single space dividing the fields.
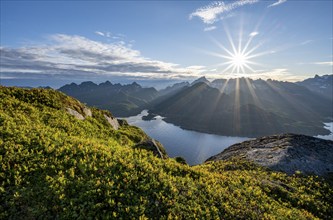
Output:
x=194 y=146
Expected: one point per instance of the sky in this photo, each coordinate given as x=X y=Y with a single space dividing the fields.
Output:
x=50 y=43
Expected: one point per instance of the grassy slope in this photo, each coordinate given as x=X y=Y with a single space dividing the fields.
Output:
x=53 y=165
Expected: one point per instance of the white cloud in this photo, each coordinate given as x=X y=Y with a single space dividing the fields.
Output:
x=99 y=33
x=76 y=56
x=210 y=28
x=328 y=63
x=276 y=3
x=211 y=13
x=253 y=34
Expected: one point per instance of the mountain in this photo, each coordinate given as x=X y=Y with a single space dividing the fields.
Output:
x=201 y=80
x=123 y=100
x=288 y=153
x=173 y=89
x=61 y=159
x=245 y=107
x=320 y=84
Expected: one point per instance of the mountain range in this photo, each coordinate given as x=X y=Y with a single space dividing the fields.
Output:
x=122 y=100
x=236 y=107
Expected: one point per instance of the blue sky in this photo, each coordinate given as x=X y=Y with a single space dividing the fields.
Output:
x=53 y=42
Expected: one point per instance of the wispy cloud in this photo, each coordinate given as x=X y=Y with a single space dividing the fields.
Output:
x=306 y=42
x=213 y=12
x=68 y=56
x=253 y=34
x=110 y=35
x=99 y=33
x=210 y=28
x=279 y=2
x=328 y=63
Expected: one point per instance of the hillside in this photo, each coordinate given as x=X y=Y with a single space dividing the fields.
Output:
x=245 y=107
x=289 y=153
x=123 y=100
x=63 y=160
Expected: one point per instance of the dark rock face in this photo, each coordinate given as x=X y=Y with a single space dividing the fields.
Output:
x=287 y=152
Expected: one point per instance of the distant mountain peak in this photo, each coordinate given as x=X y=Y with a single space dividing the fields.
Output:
x=136 y=85
x=201 y=79
x=106 y=83
x=322 y=85
x=88 y=83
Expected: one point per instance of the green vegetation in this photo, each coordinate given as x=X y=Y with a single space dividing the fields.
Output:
x=56 y=166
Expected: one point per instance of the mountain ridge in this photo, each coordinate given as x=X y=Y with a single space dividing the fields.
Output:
x=124 y=100
x=280 y=107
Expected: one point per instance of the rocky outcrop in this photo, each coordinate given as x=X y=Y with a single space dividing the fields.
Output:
x=87 y=112
x=287 y=152
x=75 y=114
x=154 y=146
x=112 y=121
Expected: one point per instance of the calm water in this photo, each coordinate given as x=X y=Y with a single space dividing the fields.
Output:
x=194 y=146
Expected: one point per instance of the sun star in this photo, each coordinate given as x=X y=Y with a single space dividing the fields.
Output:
x=239 y=58
x=238 y=61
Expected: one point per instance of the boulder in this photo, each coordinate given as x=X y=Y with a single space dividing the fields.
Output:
x=112 y=121
x=75 y=114
x=287 y=152
x=87 y=112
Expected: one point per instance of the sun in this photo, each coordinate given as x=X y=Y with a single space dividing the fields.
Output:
x=239 y=59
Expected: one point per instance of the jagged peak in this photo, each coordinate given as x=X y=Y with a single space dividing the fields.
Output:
x=106 y=83
x=88 y=83
x=201 y=79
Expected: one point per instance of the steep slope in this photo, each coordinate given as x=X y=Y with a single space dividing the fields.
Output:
x=55 y=165
x=288 y=153
x=247 y=107
x=173 y=89
x=320 y=84
x=123 y=100
x=202 y=79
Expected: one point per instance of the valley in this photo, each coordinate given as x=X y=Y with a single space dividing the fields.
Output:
x=227 y=107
